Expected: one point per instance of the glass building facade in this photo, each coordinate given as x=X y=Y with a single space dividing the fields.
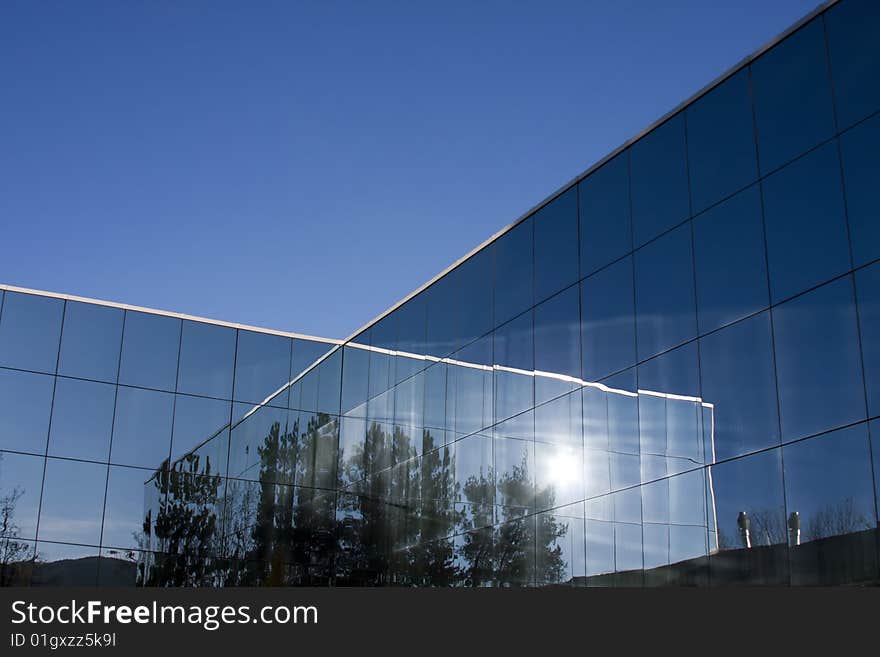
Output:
x=666 y=374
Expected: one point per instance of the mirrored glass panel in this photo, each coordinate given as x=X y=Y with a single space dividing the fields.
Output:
x=65 y=565
x=746 y=520
x=852 y=29
x=861 y=170
x=868 y=288
x=30 y=329
x=559 y=475
x=557 y=345
x=817 y=359
x=124 y=514
x=475 y=317
x=659 y=180
x=72 y=514
x=150 y=345
x=91 y=341
x=605 y=228
x=197 y=419
x=207 y=354
x=411 y=318
x=664 y=281
x=805 y=200
x=514 y=473
x=559 y=421
x=329 y=383
x=306 y=352
x=670 y=413
x=556 y=245
x=474 y=470
x=514 y=257
x=443 y=312
x=738 y=379
x=256 y=436
x=608 y=321
x=830 y=500
x=142 y=427
x=82 y=419
x=730 y=261
x=262 y=366
x=355 y=380
x=560 y=557
x=792 y=93
x=21 y=480
x=721 y=142
x=25 y=404
x=469 y=387
x=514 y=367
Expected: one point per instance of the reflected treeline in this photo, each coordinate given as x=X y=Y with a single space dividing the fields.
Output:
x=402 y=519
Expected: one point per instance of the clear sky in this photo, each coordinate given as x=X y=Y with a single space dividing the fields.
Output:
x=304 y=165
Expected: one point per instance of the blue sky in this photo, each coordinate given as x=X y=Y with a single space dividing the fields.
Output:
x=304 y=165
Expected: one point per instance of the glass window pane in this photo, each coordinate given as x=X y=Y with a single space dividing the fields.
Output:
x=739 y=381
x=25 y=404
x=355 y=380
x=608 y=324
x=248 y=456
x=606 y=228
x=473 y=470
x=721 y=141
x=670 y=417
x=868 y=288
x=600 y=551
x=196 y=419
x=514 y=356
x=514 y=473
x=664 y=279
x=469 y=386
x=559 y=421
x=623 y=413
x=435 y=402
x=142 y=427
x=830 y=499
x=262 y=366
x=792 y=97
x=21 y=480
x=861 y=173
x=730 y=261
x=513 y=272
x=329 y=383
x=207 y=353
x=412 y=316
x=746 y=517
x=409 y=401
x=82 y=419
x=65 y=565
x=475 y=296
x=559 y=475
x=306 y=352
x=443 y=307
x=658 y=174
x=72 y=514
x=853 y=30
x=557 y=344
x=124 y=516
x=556 y=245
x=817 y=358
x=806 y=226
x=560 y=543
x=91 y=341
x=30 y=327
x=150 y=345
